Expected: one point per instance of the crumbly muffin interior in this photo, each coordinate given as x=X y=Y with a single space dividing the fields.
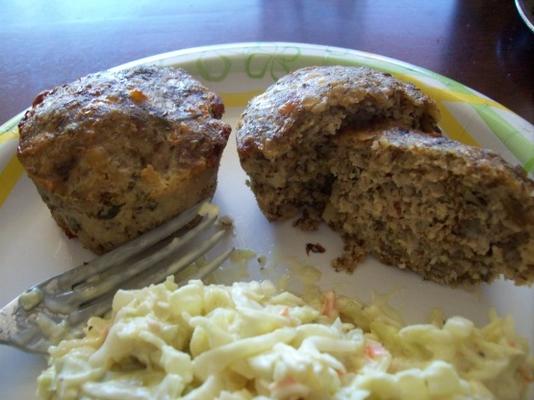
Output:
x=425 y=208
x=299 y=181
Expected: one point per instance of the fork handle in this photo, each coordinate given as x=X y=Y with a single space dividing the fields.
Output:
x=8 y=323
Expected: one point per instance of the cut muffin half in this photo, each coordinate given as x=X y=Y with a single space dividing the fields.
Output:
x=450 y=212
x=285 y=136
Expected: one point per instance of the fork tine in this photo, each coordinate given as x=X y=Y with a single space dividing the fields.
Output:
x=74 y=296
x=103 y=304
x=127 y=250
x=179 y=265
x=93 y=289
x=98 y=308
x=212 y=265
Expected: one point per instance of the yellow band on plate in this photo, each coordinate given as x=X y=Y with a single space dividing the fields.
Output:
x=453 y=128
x=9 y=177
x=447 y=94
x=11 y=135
x=238 y=99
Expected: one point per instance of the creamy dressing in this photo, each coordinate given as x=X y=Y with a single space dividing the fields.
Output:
x=51 y=329
x=251 y=340
x=30 y=299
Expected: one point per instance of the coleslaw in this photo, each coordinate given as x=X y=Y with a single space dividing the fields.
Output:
x=253 y=341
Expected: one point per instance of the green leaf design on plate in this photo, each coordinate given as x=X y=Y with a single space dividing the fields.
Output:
x=278 y=63
x=214 y=69
x=11 y=123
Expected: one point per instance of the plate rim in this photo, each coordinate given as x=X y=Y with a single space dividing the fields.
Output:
x=515 y=134
x=10 y=123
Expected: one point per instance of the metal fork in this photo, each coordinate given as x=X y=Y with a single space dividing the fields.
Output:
x=61 y=305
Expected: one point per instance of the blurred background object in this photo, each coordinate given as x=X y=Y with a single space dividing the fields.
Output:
x=526 y=11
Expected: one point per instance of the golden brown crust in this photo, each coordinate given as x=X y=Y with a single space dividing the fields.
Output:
x=285 y=134
x=114 y=153
x=268 y=124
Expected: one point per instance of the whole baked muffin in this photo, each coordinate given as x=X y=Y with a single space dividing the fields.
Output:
x=114 y=154
x=284 y=137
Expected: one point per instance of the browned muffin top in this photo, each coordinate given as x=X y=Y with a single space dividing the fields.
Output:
x=148 y=104
x=269 y=118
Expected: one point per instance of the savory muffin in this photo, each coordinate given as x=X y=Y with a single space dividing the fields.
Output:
x=285 y=135
x=114 y=154
x=360 y=150
x=450 y=212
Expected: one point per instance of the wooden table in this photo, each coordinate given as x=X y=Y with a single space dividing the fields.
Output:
x=480 y=43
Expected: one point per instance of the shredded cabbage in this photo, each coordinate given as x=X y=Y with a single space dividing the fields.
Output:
x=252 y=341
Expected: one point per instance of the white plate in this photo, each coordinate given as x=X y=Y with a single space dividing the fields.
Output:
x=32 y=247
